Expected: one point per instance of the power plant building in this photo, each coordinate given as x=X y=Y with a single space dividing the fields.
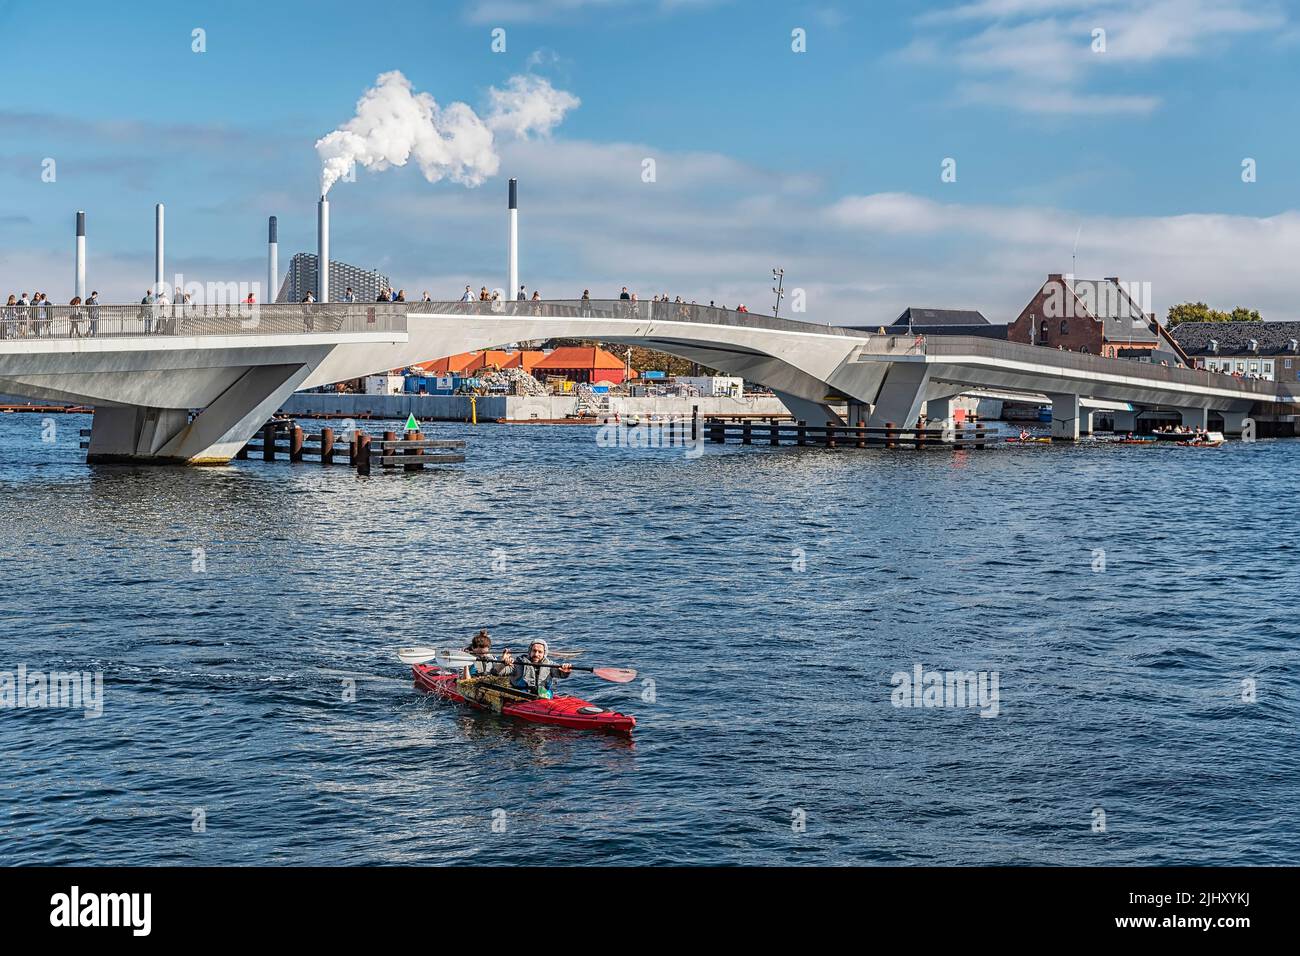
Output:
x=301 y=279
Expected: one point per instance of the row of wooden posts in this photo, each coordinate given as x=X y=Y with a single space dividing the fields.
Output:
x=410 y=452
x=835 y=435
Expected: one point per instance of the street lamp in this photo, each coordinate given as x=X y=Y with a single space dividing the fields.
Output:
x=778 y=276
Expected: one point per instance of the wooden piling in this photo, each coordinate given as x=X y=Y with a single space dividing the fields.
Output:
x=327 y=446
x=891 y=435
x=773 y=432
x=695 y=423
x=746 y=435
x=295 y=444
x=388 y=436
x=862 y=434
x=801 y=432
x=416 y=453
x=268 y=442
x=830 y=434
x=363 y=453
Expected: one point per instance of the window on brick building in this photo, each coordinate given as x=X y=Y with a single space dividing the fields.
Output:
x=1065 y=327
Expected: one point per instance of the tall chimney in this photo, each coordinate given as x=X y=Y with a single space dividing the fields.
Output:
x=323 y=250
x=157 y=248
x=272 y=258
x=79 y=286
x=512 y=241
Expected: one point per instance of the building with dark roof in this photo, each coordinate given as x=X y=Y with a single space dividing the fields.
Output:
x=919 y=321
x=1267 y=350
x=1100 y=316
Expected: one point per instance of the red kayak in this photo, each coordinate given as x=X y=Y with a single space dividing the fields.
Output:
x=486 y=693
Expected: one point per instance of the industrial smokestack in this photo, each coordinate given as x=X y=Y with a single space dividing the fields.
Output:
x=157 y=248
x=512 y=241
x=272 y=258
x=323 y=250
x=79 y=286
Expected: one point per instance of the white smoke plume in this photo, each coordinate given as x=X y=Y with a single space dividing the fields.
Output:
x=394 y=123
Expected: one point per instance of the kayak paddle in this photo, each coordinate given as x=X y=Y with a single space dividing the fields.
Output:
x=422 y=655
x=453 y=660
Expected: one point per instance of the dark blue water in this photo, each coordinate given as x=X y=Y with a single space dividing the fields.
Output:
x=770 y=594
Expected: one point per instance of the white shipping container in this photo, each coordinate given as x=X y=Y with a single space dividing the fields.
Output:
x=384 y=384
x=714 y=386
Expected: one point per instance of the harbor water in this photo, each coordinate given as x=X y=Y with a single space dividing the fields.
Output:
x=1130 y=609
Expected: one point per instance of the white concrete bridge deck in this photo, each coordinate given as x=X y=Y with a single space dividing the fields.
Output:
x=146 y=369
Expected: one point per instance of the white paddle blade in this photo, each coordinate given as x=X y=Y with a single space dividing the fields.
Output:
x=619 y=675
x=454 y=660
x=416 y=655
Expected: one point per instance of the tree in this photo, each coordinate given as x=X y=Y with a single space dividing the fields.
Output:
x=1200 y=312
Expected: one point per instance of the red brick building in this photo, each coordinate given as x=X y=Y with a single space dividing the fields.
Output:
x=1101 y=317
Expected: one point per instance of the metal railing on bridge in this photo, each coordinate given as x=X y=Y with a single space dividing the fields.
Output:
x=32 y=322
x=978 y=346
x=624 y=309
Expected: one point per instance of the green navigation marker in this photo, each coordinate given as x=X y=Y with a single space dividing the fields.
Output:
x=411 y=424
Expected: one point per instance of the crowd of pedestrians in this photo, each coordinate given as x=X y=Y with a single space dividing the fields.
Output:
x=25 y=315
x=33 y=316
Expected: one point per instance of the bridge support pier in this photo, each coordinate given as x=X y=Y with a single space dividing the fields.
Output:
x=940 y=409
x=1234 y=423
x=901 y=395
x=1065 y=417
x=1125 y=422
x=166 y=436
x=1195 y=417
x=1086 y=421
x=806 y=410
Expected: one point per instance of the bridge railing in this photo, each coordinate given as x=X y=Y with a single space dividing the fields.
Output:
x=940 y=345
x=33 y=322
x=624 y=309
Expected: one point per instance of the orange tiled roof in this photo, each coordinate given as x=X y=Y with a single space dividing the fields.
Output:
x=575 y=356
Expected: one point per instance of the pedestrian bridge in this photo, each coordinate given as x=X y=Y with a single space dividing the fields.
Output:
x=193 y=384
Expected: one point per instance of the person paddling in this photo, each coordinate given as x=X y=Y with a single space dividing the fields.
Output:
x=536 y=672
x=480 y=646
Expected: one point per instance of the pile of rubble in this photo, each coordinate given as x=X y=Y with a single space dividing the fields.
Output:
x=514 y=380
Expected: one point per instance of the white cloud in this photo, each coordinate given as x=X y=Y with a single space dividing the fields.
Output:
x=1037 y=56
x=528 y=104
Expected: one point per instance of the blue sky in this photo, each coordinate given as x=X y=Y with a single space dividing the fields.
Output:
x=826 y=162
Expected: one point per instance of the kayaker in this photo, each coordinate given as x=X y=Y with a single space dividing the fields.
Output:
x=480 y=646
x=536 y=672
